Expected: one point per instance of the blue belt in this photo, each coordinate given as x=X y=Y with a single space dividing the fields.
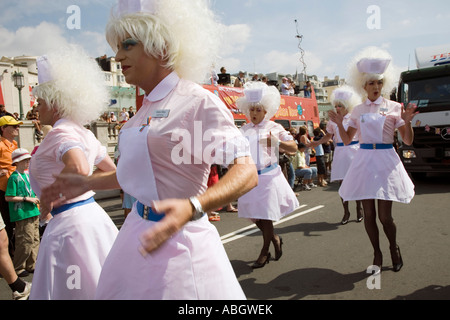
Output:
x=147 y=213
x=267 y=169
x=68 y=206
x=373 y=146
x=340 y=144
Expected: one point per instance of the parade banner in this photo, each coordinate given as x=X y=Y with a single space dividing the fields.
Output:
x=292 y=108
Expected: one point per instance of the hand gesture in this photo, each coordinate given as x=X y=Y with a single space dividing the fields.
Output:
x=32 y=200
x=336 y=117
x=45 y=212
x=270 y=140
x=177 y=212
x=409 y=113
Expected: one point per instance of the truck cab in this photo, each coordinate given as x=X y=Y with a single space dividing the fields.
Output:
x=429 y=88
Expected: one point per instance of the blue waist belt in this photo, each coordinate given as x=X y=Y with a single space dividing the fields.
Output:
x=340 y=144
x=68 y=206
x=267 y=169
x=373 y=146
x=147 y=213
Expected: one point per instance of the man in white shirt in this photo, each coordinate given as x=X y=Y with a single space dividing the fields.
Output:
x=285 y=87
x=124 y=116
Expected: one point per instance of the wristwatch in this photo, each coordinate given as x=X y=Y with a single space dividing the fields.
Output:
x=198 y=210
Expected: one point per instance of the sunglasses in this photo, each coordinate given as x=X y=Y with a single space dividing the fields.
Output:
x=14 y=126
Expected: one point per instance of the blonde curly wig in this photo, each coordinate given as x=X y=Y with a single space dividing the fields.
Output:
x=346 y=96
x=185 y=34
x=77 y=90
x=359 y=79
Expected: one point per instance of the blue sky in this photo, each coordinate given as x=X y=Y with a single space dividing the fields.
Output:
x=260 y=34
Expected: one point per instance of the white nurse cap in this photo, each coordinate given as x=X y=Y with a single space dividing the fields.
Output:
x=373 y=65
x=254 y=95
x=343 y=95
x=44 y=74
x=134 y=6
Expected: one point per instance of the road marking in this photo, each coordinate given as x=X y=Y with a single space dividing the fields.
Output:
x=252 y=228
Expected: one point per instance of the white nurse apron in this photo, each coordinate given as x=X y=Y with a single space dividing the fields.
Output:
x=192 y=264
x=376 y=173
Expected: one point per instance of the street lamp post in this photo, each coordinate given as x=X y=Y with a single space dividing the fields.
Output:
x=19 y=83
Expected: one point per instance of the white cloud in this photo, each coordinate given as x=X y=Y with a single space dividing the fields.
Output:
x=38 y=40
x=235 y=39
x=31 y=41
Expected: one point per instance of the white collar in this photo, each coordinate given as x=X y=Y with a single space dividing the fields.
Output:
x=163 y=88
x=259 y=124
x=377 y=102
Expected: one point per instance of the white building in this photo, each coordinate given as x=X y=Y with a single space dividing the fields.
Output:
x=10 y=94
x=122 y=94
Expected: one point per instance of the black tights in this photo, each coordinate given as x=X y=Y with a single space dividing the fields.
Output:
x=266 y=227
x=385 y=217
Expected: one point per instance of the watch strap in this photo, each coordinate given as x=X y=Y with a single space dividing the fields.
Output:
x=198 y=210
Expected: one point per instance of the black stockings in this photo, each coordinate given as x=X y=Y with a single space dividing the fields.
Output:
x=385 y=217
x=266 y=227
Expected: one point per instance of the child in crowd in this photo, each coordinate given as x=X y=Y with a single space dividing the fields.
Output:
x=320 y=158
x=24 y=212
x=303 y=170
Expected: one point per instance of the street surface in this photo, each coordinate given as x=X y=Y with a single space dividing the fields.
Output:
x=324 y=260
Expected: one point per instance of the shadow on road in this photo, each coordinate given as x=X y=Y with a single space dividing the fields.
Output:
x=432 y=292
x=298 y=284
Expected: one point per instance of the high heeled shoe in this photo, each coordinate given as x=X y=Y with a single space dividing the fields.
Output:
x=378 y=261
x=345 y=218
x=359 y=212
x=359 y=217
x=258 y=265
x=279 y=253
x=397 y=266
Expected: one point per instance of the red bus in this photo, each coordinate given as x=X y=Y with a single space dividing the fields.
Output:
x=293 y=113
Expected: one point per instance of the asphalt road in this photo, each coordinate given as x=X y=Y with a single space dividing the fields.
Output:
x=324 y=260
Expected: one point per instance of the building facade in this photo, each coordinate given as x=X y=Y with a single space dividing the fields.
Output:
x=123 y=95
x=9 y=94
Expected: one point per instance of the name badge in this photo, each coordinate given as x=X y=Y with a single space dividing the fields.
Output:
x=383 y=111
x=160 y=114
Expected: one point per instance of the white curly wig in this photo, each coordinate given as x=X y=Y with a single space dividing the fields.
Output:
x=266 y=96
x=75 y=85
x=359 y=79
x=183 y=33
x=346 y=96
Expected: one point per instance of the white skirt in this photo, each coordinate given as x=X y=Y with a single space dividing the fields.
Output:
x=271 y=199
x=377 y=174
x=342 y=158
x=71 y=254
x=191 y=265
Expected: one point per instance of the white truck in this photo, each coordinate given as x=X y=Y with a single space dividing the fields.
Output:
x=429 y=88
